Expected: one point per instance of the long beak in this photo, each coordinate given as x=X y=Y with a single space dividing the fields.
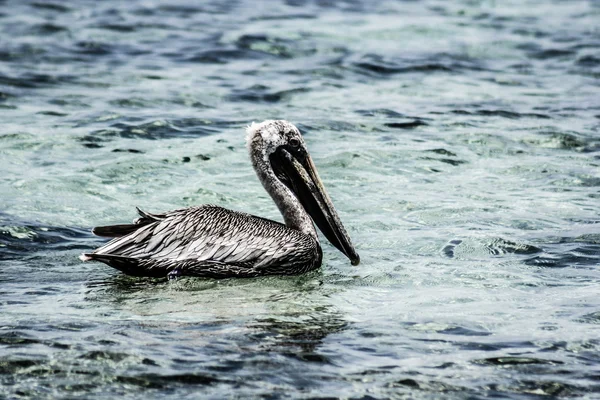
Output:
x=304 y=181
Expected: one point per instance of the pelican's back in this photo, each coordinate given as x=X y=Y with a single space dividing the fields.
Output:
x=207 y=241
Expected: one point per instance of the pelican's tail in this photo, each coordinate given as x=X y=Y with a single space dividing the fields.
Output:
x=117 y=231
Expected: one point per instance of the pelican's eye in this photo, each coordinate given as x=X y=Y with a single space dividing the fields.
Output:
x=294 y=142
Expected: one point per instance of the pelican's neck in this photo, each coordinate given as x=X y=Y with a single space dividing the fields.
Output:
x=294 y=215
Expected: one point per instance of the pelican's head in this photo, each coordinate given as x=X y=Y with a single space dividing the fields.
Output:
x=279 y=147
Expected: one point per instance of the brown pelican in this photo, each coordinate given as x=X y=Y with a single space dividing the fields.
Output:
x=210 y=241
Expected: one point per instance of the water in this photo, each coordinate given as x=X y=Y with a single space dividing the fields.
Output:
x=459 y=141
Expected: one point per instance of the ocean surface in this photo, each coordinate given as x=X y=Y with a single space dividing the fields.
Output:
x=459 y=141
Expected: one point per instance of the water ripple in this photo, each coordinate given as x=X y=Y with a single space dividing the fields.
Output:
x=458 y=141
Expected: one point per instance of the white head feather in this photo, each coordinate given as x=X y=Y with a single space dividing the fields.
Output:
x=273 y=134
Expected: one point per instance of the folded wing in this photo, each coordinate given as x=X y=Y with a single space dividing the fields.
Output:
x=206 y=241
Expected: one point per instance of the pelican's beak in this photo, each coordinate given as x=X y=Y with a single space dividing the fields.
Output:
x=301 y=176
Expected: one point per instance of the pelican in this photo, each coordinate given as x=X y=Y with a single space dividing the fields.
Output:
x=211 y=241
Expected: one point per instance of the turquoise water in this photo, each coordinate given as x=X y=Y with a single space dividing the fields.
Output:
x=459 y=141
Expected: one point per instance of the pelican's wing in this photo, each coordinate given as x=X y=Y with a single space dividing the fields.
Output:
x=207 y=241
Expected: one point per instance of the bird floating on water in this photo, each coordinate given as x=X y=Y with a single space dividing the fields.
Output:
x=211 y=241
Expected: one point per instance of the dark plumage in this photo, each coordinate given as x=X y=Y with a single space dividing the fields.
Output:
x=208 y=241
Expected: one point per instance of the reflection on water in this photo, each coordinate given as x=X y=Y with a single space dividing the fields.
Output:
x=459 y=142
